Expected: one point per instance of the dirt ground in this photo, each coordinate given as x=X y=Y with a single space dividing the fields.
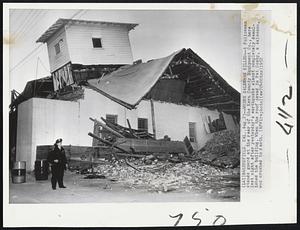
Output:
x=80 y=190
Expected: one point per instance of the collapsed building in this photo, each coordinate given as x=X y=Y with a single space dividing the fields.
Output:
x=93 y=75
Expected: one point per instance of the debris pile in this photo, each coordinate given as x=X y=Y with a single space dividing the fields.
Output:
x=135 y=143
x=164 y=177
x=223 y=150
x=120 y=131
x=142 y=162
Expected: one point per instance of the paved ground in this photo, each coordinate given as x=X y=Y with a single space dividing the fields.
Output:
x=80 y=190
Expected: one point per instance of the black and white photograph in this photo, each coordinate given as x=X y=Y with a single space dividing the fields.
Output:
x=124 y=106
x=142 y=115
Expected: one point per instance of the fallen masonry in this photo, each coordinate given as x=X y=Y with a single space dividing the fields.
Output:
x=162 y=177
x=139 y=161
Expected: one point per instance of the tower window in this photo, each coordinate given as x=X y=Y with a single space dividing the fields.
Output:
x=57 y=48
x=97 y=43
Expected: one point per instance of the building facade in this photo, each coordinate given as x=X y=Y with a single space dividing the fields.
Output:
x=92 y=76
x=41 y=121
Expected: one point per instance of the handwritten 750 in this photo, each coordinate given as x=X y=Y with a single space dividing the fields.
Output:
x=217 y=220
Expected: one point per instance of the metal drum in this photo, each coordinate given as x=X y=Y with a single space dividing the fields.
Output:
x=41 y=169
x=18 y=172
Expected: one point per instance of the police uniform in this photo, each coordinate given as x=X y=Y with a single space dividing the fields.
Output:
x=57 y=168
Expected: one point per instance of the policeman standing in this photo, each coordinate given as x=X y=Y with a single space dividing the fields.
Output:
x=57 y=159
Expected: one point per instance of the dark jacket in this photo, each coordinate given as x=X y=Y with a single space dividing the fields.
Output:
x=57 y=154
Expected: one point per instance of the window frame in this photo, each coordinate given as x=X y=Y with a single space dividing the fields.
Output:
x=101 y=43
x=214 y=125
x=145 y=121
x=115 y=116
x=192 y=138
x=57 y=48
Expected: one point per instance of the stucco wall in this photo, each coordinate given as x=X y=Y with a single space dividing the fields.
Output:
x=96 y=106
x=42 y=121
x=24 y=144
x=170 y=119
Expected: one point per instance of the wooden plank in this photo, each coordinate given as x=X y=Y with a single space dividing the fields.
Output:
x=153 y=118
x=107 y=128
x=199 y=85
x=71 y=151
x=126 y=131
x=215 y=97
x=108 y=143
x=231 y=110
x=131 y=131
x=123 y=130
x=150 y=145
x=114 y=146
x=224 y=106
x=219 y=103
x=188 y=146
x=126 y=155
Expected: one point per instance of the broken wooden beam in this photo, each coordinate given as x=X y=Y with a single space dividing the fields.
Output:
x=220 y=103
x=113 y=146
x=130 y=129
x=128 y=132
x=150 y=145
x=107 y=142
x=188 y=145
x=124 y=131
x=107 y=128
x=153 y=118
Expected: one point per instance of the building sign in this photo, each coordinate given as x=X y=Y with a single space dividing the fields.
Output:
x=62 y=77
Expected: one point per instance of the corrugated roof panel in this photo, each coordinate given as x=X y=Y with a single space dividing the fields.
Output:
x=129 y=84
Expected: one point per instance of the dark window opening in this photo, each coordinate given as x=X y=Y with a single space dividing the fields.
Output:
x=192 y=131
x=97 y=43
x=143 y=124
x=112 y=118
x=217 y=124
x=57 y=48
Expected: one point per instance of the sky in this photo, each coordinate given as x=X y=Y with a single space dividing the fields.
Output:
x=213 y=35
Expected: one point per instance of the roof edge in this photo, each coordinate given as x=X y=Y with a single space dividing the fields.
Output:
x=65 y=21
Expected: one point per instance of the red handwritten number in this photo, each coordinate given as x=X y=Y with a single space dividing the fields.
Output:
x=193 y=217
x=218 y=217
x=180 y=217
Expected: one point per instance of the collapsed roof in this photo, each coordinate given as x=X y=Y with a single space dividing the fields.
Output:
x=181 y=78
x=35 y=88
x=202 y=85
x=130 y=83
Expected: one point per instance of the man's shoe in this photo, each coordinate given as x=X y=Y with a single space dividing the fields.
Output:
x=54 y=188
x=63 y=186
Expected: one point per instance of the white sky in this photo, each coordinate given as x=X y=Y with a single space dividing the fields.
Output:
x=213 y=35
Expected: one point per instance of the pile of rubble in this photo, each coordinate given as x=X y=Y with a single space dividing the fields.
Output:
x=164 y=165
x=223 y=150
x=165 y=176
